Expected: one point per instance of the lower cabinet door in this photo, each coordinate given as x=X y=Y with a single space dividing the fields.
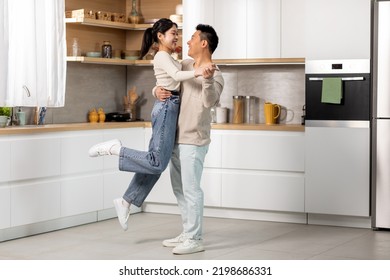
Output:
x=263 y=191
x=35 y=202
x=81 y=195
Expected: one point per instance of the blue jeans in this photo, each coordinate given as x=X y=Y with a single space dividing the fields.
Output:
x=186 y=172
x=149 y=165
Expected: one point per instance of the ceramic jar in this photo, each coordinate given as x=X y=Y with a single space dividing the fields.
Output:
x=93 y=116
x=102 y=115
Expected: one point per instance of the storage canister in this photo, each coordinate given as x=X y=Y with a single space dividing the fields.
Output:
x=250 y=109
x=238 y=109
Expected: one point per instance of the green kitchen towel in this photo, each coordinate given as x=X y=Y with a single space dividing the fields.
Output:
x=332 y=90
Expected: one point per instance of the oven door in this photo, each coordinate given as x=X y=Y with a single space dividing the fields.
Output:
x=355 y=104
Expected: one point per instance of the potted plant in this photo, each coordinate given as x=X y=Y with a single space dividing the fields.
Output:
x=5 y=113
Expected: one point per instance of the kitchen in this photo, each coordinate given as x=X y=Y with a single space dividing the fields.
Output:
x=281 y=82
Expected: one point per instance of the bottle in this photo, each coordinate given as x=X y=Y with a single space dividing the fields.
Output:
x=107 y=49
x=238 y=109
x=75 y=47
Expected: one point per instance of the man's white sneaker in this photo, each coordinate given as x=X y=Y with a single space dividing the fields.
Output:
x=104 y=149
x=173 y=242
x=123 y=212
x=189 y=246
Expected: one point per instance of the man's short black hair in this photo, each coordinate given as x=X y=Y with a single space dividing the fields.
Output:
x=208 y=33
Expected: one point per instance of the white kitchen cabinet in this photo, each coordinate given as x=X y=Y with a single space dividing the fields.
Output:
x=337 y=178
x=74 y=152
x=246 y=28
x=5 y=162
x=263 y=150
x=195 y=12
x=293 y=14
x=132 y=138
x=5 y=206
x=254 y=170
x=263 y=170
x=115 y=184
x=50 y=176
x=230 y=24
x=210 y=182
x=81 y=195
x=338 y=29
x=162 y=190
x=262 y=28
x=36 y=61
x=263 y=190
x=35 y=157
x=35 y=202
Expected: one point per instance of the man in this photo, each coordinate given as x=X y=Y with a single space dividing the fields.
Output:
x=193 y=138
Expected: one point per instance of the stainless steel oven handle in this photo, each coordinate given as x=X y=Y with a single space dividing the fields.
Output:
x=343 y=79
x=334 y=123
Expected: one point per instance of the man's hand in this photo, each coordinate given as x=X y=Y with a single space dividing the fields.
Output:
x=208 y=72
x=162 y=94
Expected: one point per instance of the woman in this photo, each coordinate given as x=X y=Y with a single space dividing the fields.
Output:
x=149 y=165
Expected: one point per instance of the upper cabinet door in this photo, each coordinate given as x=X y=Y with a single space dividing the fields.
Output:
x=231 y=26
x=246 y=28
x=195 y=12
x=338 y=29
x=263 y=28
x=293 y=28
x=33 y=55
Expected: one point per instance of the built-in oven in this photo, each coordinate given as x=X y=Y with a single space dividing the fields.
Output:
x=337 y=134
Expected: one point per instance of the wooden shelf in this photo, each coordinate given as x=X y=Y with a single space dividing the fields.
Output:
x=109 y=61
x=228 y=62
x=259 y=61
x=109 y=24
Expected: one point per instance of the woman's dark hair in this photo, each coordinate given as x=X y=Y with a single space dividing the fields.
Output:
x=150 y=35
x=208 y=33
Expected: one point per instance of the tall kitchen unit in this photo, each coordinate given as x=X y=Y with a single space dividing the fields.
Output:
x=381 y=116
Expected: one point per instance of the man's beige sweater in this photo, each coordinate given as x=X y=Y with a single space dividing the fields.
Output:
x=197 y=97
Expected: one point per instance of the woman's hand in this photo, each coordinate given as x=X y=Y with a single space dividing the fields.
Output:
x=162 y=94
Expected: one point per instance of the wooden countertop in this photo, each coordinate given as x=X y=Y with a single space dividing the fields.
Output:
x=28 y=129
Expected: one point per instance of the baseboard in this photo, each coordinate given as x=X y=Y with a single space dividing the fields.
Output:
x=243 y=214
x=338 y=220
x=61 y=223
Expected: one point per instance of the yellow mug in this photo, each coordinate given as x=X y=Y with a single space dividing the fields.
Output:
x=271 y=112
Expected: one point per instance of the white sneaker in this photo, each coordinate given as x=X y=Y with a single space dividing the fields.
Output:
x=173 y=242
x=189 y=246
x=123 y=212
x=103 y=149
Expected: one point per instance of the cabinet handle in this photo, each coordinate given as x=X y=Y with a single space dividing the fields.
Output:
x=27 y=90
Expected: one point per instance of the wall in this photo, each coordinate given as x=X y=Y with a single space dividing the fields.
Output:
x=282 y=84
x=93 y=86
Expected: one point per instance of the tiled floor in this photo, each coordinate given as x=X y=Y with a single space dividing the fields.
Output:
x=224 y=239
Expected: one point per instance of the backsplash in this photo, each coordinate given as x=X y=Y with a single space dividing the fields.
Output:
x=94 y=86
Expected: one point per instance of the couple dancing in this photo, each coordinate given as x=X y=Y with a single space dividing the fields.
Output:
x=180 y=119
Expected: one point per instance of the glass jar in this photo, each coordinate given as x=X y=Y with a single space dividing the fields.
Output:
x=107 y=49
x=238 y=109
